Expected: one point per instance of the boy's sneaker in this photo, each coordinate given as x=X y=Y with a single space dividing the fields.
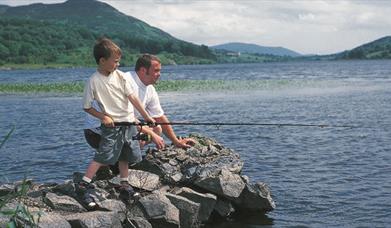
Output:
x=84 y=188
x=126 y=192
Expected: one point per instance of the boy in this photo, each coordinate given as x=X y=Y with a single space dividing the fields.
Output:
x=112 y=91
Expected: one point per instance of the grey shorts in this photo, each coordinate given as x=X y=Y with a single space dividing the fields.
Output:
x=116 y=144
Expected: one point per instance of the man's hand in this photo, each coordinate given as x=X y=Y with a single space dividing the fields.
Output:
x=184 y=143
x=107 y=121
x=159 y=141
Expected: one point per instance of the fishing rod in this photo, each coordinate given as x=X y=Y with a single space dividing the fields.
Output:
x=140 y=136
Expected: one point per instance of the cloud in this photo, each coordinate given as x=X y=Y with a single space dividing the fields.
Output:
x=306 y=26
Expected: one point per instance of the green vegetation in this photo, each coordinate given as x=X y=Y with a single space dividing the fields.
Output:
x=12 y=204
x=64 y=34
x=162 y=86
x=378 y=49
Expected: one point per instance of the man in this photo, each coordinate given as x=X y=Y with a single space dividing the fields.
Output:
x=147 y=69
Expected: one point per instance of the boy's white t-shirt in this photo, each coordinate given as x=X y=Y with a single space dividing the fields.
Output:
x=147 y=95
x=111 y=94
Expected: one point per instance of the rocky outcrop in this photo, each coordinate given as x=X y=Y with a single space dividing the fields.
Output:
x=178 y=188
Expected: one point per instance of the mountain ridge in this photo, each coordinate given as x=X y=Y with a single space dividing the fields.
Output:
x=256 y=49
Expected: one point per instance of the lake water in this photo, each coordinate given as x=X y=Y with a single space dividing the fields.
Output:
x=319 y=177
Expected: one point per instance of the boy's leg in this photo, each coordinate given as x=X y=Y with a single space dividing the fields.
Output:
x=92 y=169
x=123 y=169
x=106 y=154
x=125 y=190
x=130 y=154
x=85 y=186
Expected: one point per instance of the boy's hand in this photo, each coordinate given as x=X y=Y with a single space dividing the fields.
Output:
x=150 y=122
x=107 y=121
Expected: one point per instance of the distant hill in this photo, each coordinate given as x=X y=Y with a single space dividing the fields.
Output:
x=256 y=49
x=378 y=49
x=89 y=19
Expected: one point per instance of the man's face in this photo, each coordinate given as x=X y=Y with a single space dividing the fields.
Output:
x=153 y=73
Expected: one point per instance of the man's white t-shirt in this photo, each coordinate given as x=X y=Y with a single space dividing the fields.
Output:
x=147 y=95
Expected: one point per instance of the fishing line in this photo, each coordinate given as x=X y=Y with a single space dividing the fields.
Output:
x=235 y=124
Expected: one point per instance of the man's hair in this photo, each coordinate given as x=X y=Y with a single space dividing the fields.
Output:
x=145 y=61
x=104 y=48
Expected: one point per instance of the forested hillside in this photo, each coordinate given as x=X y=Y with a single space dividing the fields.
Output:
x=64 y=33
x=378 y=49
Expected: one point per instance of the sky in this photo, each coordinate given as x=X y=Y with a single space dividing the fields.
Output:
x=304 y=26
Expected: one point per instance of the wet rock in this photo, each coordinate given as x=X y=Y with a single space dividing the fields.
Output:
x=224 y=208
x=255 y=198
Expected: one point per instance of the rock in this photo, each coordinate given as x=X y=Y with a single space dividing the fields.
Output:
x=141 y=180
x=179 y=166
x=6 y=189
x=226 y=184
x=112 y=205
x=224 y=208
x=207 y=202
x=188 y=210
x=95 y=219
x=160 y=211
x=255 y=198
x=68 y=188
x=138 y=222
x=4 y=220
x=179 y=188
x=49 y=220
x=63 y=203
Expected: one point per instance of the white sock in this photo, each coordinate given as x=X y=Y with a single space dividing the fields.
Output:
x=124 y=179
x=86 y=179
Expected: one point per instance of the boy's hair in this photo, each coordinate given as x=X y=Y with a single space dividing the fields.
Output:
x=104 y=48
x=145 y=61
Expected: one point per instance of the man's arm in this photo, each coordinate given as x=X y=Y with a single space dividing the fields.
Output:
x=157 y=139
x=169 y=132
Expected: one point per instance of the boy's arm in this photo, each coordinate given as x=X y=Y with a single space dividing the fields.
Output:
x=105 y=119
x=140 y=108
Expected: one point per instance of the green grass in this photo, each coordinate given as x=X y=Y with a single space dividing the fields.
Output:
x=161 y=86
x=19 y=88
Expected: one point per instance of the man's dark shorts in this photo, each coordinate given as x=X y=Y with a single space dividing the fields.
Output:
x=114 y=145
